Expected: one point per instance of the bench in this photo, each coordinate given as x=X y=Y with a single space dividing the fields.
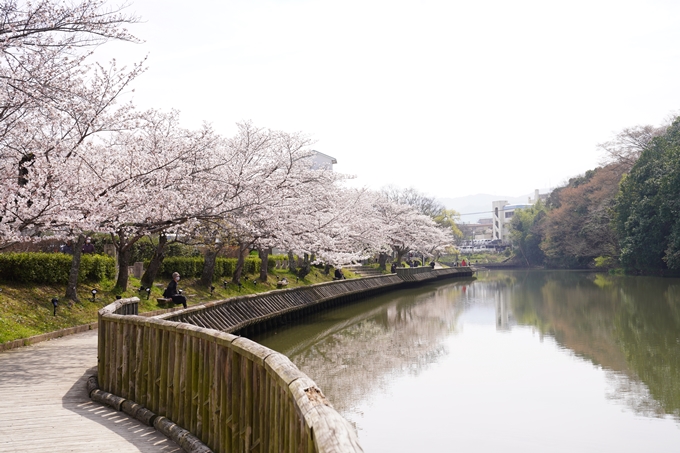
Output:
x=165 y=302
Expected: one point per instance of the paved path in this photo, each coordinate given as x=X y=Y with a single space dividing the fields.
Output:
x=44 y=404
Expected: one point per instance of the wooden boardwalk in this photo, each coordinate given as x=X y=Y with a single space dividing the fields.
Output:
x=44 y=404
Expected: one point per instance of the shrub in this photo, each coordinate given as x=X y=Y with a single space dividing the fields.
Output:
x=96 y=268
x=53 y=267
x=187 y=266
x=193 y=266
x=272 y=259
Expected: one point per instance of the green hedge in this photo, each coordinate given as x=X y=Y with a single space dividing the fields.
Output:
x=193 y=266
x=53 y=267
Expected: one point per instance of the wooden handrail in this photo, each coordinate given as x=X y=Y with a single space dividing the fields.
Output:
x=231 y=393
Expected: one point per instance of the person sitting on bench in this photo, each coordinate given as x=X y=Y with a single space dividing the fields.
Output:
x=174 y=293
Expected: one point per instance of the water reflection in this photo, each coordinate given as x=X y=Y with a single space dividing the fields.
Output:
x=558 y=351
x=355 y=350
x=629 y=325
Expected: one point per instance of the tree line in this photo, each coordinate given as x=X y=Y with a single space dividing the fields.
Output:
x=625 y=213
x=76 y=159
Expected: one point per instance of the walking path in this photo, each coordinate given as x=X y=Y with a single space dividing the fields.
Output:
x=44 y=405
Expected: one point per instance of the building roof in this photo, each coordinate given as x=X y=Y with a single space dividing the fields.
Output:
x=333 y=160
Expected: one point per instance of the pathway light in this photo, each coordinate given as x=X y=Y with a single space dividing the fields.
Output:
x=212 y=289
x=225 y=284
x=55 y=302
x=148 y=292
x=94 y=294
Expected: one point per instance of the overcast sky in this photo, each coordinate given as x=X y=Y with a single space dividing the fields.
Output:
x=453 y=98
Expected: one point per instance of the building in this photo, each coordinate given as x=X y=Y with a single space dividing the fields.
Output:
x=503 y=213
x=481 y=230
x=322 y=161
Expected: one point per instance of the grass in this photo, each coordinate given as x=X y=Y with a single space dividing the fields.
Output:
x=26 y=309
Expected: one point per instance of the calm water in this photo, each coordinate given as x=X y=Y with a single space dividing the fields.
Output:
x=512 y=361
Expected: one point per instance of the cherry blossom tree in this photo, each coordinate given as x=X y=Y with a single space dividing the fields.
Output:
x=406 y=230
x=150 y=180
x=270 y=175
x=52 y=102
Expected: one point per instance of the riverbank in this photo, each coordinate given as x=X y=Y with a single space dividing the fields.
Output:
x=27 y=309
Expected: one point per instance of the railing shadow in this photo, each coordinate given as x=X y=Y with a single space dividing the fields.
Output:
x=140 y=436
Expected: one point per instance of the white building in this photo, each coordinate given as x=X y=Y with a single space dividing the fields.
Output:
x=503 y=212
x=321 y=160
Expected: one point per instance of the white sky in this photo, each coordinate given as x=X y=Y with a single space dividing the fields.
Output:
x=453 y=97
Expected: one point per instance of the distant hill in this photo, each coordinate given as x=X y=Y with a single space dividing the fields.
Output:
x=475 y=207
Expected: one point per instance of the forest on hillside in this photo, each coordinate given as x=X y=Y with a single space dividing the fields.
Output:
x=623 y=214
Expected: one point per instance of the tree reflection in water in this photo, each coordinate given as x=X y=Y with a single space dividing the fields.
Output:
x=354 y=350
x=628 y=326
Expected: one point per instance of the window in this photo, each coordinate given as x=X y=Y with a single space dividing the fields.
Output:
x=509 y=214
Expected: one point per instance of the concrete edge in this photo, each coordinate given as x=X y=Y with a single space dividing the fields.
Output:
x=187 y=441
x=21 y=342
x=46 y=336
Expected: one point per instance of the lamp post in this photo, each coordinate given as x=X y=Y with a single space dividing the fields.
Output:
x=212 y=289
x=94 y=294
x=148 y=292
x=55 y=302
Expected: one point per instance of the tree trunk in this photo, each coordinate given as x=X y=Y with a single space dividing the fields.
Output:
x=306 y=267
x=292 y=265
x=209 y=266
x=382 y=261
x=72 y=287
x=124 y=254
x=264 y=261
x=242 y=249
x=124 y=249
x=400 y=255
x=156 y=262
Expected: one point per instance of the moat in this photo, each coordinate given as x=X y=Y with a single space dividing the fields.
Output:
x=521 y=361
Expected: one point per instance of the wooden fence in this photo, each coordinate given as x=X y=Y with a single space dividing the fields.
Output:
x=425 y=273
x=231 y=393
x=243 y=313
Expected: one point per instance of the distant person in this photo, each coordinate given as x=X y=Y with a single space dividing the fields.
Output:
x=463 y=263
x=393 y=268
x=174 y=293
x=88 y=247
x=338 y=275
x=432 y=264
x=67 y=248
